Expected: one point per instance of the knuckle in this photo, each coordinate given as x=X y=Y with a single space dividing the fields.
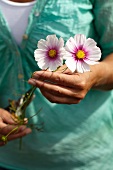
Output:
x=42 y=85
x=57 y=90
x=58 y=78
x=81 y=96
x=82 y=85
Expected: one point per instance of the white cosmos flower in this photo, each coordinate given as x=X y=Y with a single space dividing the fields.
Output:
x=49 y=54
x=80 y=53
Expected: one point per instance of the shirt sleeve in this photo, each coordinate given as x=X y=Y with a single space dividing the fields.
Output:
x=103 y=22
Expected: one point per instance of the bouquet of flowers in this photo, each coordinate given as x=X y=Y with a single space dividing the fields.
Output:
x=78 y=53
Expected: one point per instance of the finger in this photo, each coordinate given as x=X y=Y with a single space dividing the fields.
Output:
x=8 y=129
x=56 y=78
x=20 y=134
x=60 y=90
x=60 y=100
x=2 y=143
x=11 y=129
x=11 y=136
x=6 y=117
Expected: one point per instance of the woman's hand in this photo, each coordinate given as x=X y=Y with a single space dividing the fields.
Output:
x=7 y=125
x=64 y=88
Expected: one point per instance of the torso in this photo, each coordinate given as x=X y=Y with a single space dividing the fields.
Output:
x=16 y=15
x=71 y=134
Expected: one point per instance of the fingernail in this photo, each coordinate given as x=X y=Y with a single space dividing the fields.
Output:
x=22 y=128
x=32 y=82
x=35 y=75
x=28 y=131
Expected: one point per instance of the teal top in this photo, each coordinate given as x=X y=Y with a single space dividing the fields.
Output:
x=75 y=137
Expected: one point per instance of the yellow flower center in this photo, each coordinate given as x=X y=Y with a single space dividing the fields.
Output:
x=80 y=54
x=52 y=53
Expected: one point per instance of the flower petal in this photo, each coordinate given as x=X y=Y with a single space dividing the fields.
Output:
x=67 y=55
x=90 y=62
x=40 y=59
x=71 y=45
x=85 y=67
x=80 y=39
x=71 y=64
x=52 y=66
x=94 y=54
x=40 y=51
x=61 y=53
x=79 y=66
x=39 y=54
x=42 y=44
x=60 y=43
x=58 y=63
x=43 y=64
x=52 y=41
x=89 y=44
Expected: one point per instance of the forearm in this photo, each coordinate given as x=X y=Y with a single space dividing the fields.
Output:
x=103 y=74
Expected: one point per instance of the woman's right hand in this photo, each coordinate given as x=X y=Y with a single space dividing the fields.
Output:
x=7 y=125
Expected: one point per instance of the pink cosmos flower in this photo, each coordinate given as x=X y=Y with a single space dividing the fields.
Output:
x=80 y=53
x=49 y=54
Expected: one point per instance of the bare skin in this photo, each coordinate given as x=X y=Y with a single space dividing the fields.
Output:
x=68 y=88
x=7 y=124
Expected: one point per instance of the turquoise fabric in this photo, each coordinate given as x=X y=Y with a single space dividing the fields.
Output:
x=75 y=137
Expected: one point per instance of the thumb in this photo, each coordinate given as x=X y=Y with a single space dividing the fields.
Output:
x=6 y=117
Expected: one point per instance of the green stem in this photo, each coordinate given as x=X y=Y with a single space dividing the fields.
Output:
x=12 y=131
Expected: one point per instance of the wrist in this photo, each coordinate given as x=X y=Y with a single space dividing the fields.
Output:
x=99 y=76
x=103 y=74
